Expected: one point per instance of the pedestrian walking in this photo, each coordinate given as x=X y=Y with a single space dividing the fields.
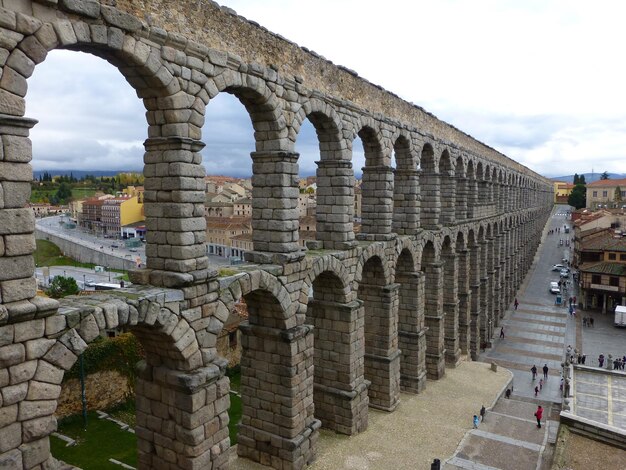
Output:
x=536 y=389
x=601 y=360
x=545 y=371
x=591 y=320
x=482 y=413
x=584 y=321
x=583 y=359
x=540 y=384
x=516 y=303
x=475 y=421
x=502 y=332
x=533 y=370
x=539 y=415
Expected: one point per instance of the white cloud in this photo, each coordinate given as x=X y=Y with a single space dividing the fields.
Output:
x=540 y=80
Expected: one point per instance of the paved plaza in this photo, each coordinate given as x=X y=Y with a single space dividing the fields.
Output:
x=423 y=427
x=600 y=396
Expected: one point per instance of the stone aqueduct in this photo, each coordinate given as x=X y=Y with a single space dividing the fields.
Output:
x=446 y=239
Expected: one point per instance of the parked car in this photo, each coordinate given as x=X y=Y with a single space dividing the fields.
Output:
x=115 y=245
x=554 y=287
x=90 y=282
x=564 y=272
x=558 y=267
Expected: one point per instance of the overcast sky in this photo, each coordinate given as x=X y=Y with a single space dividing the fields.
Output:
x=542 y=81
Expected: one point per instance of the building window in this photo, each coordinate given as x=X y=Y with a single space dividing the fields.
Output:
x=596 y=279
x=614 y=281
x=622 y=257
x=605 y=193
x=612 y=256
x=595 y=194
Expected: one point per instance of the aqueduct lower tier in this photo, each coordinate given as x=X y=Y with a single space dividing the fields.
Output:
x=446 y=239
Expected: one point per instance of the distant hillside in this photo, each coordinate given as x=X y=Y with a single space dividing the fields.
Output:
x=589 y=177
x=80 y=173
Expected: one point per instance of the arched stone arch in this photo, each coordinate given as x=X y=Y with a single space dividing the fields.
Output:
x=377 y=183
x=274 y=230
x=464 y=289
x=462 y=185
x=335 y=198
x=268 y=363
x=340 y=390
x=429 y=189
x=447 y=189
x=406 y=194
x=450 y=300
x=382 y=357
x=331 y=264
x=433 y=311
x=411 y=331
x=372 y=250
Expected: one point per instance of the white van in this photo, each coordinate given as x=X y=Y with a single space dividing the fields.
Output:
x=620 y=315
x=554 y=287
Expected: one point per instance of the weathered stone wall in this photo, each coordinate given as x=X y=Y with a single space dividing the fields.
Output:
x=102 y=390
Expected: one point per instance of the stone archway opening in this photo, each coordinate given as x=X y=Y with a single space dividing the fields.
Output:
x=277 y=421
x=433 y=312
x=88 y=145
x=382 y=357
x=429 y=190
x=376 y=188
x=406 y=191
x=411 y=332
x=228 y=134
x=340 y=389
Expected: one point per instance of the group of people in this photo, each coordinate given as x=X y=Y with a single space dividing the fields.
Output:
x=475 y=420
x=533 y=371
x=575 y=356
x=619 y=363
x=588 y=321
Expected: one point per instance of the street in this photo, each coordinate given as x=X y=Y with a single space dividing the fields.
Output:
x=539 y=331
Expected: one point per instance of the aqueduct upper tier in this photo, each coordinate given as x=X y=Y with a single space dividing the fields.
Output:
x=446 y=239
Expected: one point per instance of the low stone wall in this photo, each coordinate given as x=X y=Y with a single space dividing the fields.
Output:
x=594 y=430
x=84 y=254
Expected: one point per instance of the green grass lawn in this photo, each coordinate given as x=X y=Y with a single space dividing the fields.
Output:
x=102 y=440
x=48 y=254
x=38 y=195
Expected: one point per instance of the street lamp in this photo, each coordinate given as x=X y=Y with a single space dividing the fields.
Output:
x=84 y=287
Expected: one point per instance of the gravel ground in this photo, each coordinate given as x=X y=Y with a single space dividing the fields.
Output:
x=575 y=452
x=423 y=427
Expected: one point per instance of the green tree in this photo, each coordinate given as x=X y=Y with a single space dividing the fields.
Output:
x=618 y=194
x=63 y=193
x=604 y=176
x=62 y=286
x=576 y=179
x=578 y=196
x=581 y=180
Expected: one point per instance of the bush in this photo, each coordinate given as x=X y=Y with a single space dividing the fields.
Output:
x=62 y=286
x=120 y=354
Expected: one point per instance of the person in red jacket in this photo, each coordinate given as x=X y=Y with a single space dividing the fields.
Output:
x=539 y=415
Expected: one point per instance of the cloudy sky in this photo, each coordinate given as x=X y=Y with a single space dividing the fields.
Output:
x=542 y=81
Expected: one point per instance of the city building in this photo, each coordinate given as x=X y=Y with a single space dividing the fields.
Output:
x=606 y=194
x=562 y=190
x=118 y=212
x=221 y=234
x=601 y=263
